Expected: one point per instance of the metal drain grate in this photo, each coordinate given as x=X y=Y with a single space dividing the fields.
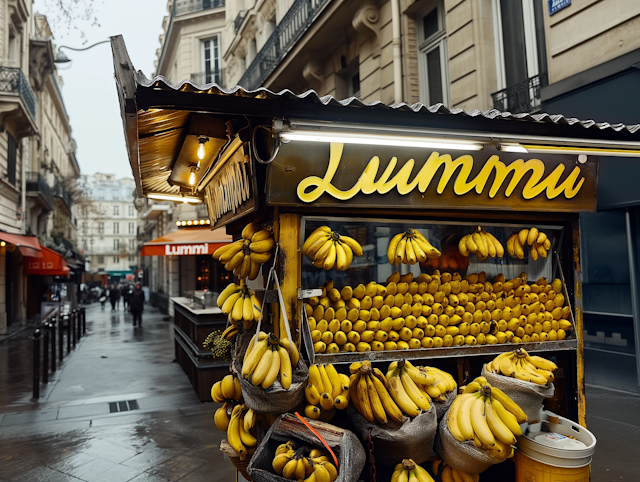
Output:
x=123 y=406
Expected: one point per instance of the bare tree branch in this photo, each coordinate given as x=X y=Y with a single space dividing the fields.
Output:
x=65 y=15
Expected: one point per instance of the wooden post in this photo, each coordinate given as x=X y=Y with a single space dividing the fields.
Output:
x=577 y=276
x=289 y=239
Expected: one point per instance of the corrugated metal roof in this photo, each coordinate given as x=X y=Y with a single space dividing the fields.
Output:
x=310 y=96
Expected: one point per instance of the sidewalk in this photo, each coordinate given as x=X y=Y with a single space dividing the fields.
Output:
x=70 y=433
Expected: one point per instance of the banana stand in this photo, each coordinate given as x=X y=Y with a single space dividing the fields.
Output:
x=300 y=164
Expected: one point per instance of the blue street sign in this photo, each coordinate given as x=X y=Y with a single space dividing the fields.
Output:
x=557 y=5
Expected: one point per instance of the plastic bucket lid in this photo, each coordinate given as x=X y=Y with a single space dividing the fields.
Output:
x=556 y=456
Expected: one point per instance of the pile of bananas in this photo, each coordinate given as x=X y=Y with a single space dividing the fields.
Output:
x=227 y=389
x=219 y=342
x=439 y=383
x=328 y=249
x=410 y=247
x=245 y=256
x=538 y=242
x=304 y=464
x=267 y=359
x=519 y=364
x=487 y=416
x=326 y=391
x=241 y=304
x=481 y=243
x=409 y=471
x=450 y=259
x=449 y=474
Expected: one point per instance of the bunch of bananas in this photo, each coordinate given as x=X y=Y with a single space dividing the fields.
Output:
x=303 y=464
x=538 y=242
x=409 y=387
x=328 y=249
x=370 y=395
x=239 y=428
x=241 y=304
x=410 y=247
x=409 y=471
x=481 y=243
x=219 y=342
x=487 y=416
x=245 y=256
x=438 y=389
x=267 y=359
x=519 y=364
x=228 y=392
x=450 y=259
x=326 y=391
x=449 y=474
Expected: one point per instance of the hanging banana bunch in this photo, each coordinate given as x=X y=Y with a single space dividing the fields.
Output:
x=245 y=256
x=519 y=364
x=267 y=359
x=538 y=242
x=482 y=244
x=410 y=247
x=241 y=304
x=326 y=391
x=328 y=249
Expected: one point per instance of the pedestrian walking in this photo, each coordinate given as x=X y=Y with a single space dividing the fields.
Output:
x=136 y=305
x=113 y=297
x=103 y=298
x=126 y=296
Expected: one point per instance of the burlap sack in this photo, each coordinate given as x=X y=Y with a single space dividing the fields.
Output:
x=527 y=395
x=393 y=442
x=275 y=399
x=442 y=407
x=463 y=456
x=346 y=446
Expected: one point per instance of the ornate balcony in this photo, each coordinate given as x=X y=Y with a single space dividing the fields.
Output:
x=17 y=100
x=295 y=22
x=60 y=191
x=38 y=187
x=183 y=7
x=521 y=97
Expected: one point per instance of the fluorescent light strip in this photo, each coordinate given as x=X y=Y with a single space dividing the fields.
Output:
x=379 y=140
x=175 y=198
x=579 y=150
x=513 y=148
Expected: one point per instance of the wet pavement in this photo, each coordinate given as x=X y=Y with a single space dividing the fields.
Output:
x=70 y=433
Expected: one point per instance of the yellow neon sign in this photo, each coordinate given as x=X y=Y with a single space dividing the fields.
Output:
x=368 y=184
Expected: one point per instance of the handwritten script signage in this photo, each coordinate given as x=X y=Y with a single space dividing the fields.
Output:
x=230 y=194
x=335 y=174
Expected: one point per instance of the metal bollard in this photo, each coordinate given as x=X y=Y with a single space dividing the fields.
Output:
x=84 y=321
x=72 y=320
x=80 y=323
x=60 y=338
x=45 y=353
x=68 y=334
x=53 y=345
x=36 y=364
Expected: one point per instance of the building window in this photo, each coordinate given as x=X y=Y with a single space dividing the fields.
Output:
x=348 y=79
x=84 y=228
x=131 y=211
x=115 y=195
x=116 y=228
x=116 y=210
x=116 y=244
x=101 y=194
x=132 y=228
x=100 y=228
x=132 y=244
x=432 y=56
x=84 y=244
x=101 y=259
x=211 y=60
x=11 y=159
x=116 y=259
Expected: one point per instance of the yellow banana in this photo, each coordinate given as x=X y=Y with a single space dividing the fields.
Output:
x=324 y=251
x=228 y=388
x=216 y=392
x=462 y=246
x=426 y=246
x=262 y=367
x=414 y=392
x=312 y=395
x=390 y=407
x=274 y=369
x=316 y=379
x=336 y=385
x=238 y=309
x=295 y=355
x=341 y=258
x=254 y=357
x=353 y=244
x=261 y=235
x=400 y=250
x=452 y=417
x=228 y=291
x=542 y=363
x=246 y=438
x=256 y=307
x=506 y=417
x=508 y=404
x=376 y=404
x=221 y=418
x=228 y=254
x=260 y=258
x=286 y=373
x=410 y=252
x=363 y=400
x=400 y=396
x=280 y=460
x=464 y=416
x=262 y=246
x=233 y=433
x=479 y=423
x=249 y=420
x=317 y=245
x=326 y=381
x=319 y=233
x=223 y=249
x=497 y=426
x=229 y=303
x=289 y=470
x=330 y=260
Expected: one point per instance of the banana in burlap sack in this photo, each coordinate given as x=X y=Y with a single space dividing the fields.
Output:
x=528 y=395
x=275 y=399
x=345 y=445
x=442 y=407
x=412 y=439
x=464 y=456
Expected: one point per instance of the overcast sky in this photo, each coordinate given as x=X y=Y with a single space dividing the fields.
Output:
x=89 y=90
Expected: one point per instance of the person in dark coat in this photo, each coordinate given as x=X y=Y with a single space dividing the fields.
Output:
x=114 y=295
x=126 y=296
x=136 y=304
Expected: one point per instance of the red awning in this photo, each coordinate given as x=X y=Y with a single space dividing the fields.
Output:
x=184 y=242
x=28 y=245
x=49 y=264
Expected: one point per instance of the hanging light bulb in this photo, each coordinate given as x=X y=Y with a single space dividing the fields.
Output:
x=200 y=153
x=192 y=175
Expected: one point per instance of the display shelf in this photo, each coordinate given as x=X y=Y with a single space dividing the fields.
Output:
x=448 y=352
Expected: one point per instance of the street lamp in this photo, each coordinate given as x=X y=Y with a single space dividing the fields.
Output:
x=61 y=57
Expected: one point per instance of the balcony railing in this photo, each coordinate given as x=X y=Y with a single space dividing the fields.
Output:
x=183 y=7
x=13 y=80
x=37 y=183
x=521 y=97
x=296 y=21
x=202 y=78
x=60 y=191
